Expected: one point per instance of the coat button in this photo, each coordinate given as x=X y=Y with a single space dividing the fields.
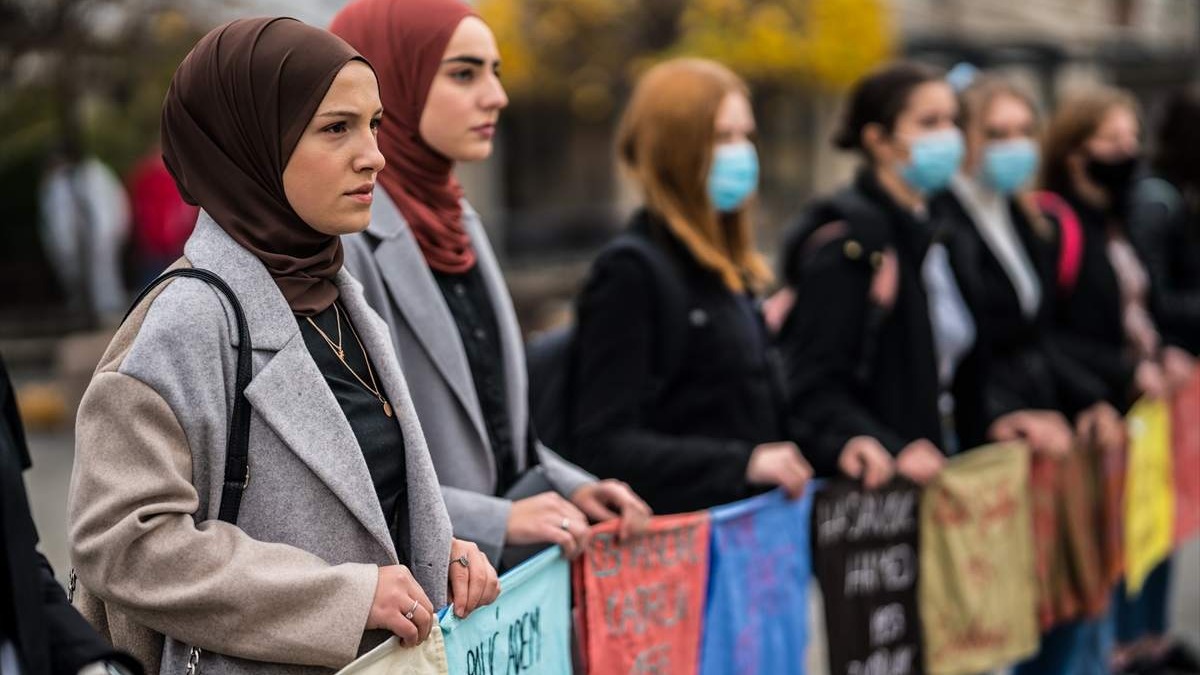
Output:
x=459 y=290
x=480 y=334
x=852 y=249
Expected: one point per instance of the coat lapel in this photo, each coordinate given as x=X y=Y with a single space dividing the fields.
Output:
x=288 y=392
x=512 y=345
x=291 y=396
x=415 y=293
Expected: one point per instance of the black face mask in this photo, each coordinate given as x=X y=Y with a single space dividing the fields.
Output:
x=1116 y=179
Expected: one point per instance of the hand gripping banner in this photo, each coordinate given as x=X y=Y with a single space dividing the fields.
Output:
x=526 y=631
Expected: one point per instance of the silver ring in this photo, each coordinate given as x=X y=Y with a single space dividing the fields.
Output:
x=462 y=560
x=409 y=614
x=566 y=525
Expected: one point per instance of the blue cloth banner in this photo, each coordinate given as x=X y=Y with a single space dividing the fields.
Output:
x=757 y=615
x=527 y=630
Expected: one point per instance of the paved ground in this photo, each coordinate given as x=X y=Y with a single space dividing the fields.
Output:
x=52 y=455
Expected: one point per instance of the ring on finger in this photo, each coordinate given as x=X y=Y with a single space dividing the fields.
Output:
x=410 y=613
x=462 y=560
x=566 y=525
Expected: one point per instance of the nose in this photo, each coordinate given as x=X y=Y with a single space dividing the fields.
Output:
x=369 y=158
x=495 y=98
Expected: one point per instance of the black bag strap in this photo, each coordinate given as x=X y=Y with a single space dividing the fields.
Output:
x=671 y=295
x=237 y=445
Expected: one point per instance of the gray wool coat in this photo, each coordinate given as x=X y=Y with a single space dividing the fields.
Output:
x=399 y=285
x=289 y=587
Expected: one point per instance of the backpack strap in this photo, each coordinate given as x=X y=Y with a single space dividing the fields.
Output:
x=1070 y=248
x=671 y=297
x=237 y=445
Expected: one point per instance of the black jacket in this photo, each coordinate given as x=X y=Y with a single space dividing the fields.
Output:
x=1088 y=323
x=50 y=636
x=1165 y=228
x=685 y=445
x=853 y=368
x=1026 y=366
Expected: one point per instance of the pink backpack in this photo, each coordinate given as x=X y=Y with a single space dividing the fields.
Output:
x=1070 y=250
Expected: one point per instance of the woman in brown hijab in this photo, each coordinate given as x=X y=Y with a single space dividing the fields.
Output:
x=340 y=537
x=427 y=267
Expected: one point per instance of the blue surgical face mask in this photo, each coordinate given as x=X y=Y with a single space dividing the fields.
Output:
x=733 y=176
x=934 y=158
x=1007 y=165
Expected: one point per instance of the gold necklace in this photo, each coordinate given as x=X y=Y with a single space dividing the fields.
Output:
x=341 y=356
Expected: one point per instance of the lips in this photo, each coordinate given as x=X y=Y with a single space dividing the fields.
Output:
x=486 y=130
x=362 y=193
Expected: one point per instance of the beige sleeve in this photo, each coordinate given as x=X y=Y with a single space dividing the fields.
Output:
x=135 y=543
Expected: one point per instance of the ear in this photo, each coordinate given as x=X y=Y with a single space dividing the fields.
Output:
x=876 y=140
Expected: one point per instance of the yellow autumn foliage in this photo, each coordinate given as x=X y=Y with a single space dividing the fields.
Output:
x=552 y=47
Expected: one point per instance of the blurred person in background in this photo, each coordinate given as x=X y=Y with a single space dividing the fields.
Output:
x=885 y=360
x=338 y=537
x=162 y=221
x=710 y=427
x=40 y=632
x=1164 y=226
x=84 y=223
x=1166 y=222
x=1005 y=260
x=427 y=267
x=1103 y=318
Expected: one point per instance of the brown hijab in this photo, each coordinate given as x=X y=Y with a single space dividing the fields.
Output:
x=407 y=41
x=237 y=106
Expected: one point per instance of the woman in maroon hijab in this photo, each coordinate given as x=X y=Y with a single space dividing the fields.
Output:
x=428 y=269
x=339 y=537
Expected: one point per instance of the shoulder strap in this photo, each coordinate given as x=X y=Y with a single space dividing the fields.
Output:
x=1070 y=248
x=237 y=445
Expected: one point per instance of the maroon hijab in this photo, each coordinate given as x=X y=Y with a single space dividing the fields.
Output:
x=237 y=106
x=406 y=39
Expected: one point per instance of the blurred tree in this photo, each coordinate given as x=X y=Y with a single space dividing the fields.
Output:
x=589 y=50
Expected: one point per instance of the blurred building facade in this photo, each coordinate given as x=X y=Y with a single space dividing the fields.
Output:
x=552 y=193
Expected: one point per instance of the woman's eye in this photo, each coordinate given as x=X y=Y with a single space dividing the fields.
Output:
x=463 y=75
x=336 y=128
x=375 y=123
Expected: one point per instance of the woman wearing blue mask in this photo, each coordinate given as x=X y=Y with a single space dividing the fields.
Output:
x=883 y=355
x=673 y=385
x=1003 y=260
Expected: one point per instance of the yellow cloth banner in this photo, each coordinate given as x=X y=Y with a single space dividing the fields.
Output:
x=1149 y=492
x=977 y=588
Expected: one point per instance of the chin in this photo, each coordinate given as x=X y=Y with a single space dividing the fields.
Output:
x=475 y=152
x=346 y=225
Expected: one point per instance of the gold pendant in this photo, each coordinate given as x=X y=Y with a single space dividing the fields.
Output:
x=387 y=408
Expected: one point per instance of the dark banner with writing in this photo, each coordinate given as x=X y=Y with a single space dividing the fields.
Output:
x=865 y=560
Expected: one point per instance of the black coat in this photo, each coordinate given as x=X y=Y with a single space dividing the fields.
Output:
x=1026 y=366
x=50 y=636
x=686 y=447
x=1165 y=228
x=853 y=368
x=1088 y=323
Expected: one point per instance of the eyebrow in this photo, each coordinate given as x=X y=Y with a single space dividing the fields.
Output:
x=347 y=113
x=470 y=60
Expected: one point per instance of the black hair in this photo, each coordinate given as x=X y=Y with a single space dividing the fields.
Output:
x=879 y=98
